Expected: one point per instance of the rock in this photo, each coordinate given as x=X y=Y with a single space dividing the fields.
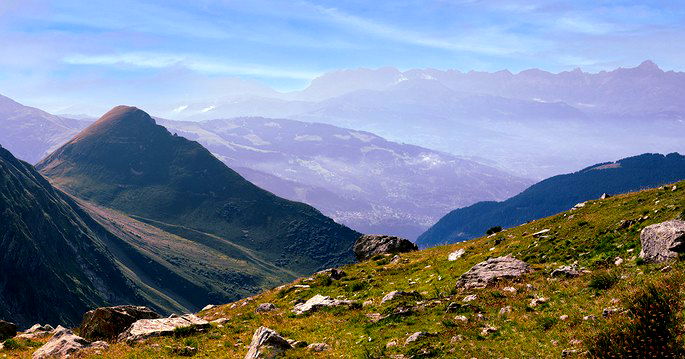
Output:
x=509 y=289
x=319 y=301
x=221 y=321
x=186 y=351
x=414 y=337
x=265 y=307
x=63 y=344
x=540 y=233
x=607 y=312
x=570 y=271
x=674 y=188
x=469 y=298
x=37 y=331
x=456 y=254
x=488 y=329
x=461 y=318
x=579 y=205
x=618 y=261
x=589 y=317
x=370 y=245
x=391 y=344
x=563 y=317
x=297 y=343
x=489 y=272
x=266 y=343
x=147 y=328
x=568 y=353
x=505 y=310
x=663 y=241
x=208 y=307
x=604 y=196
x=7 y=330
x=394 y=295
x=537 y=300
x=332 y=273
x=318 y=347
x=108 y=322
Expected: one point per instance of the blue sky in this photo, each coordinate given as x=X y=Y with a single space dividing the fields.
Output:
x=85 y=56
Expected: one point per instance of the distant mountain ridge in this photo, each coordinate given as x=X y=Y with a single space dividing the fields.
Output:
x=555 y=195
x=355 y=177
x=127 y=162
x=533 y=123
x=30 y=133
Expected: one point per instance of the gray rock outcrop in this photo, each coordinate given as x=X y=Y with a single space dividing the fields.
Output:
x=266 y=344
x=663 y=241
x=109 y=322
x=370 y=245
x=147 y=328
x=492 y=270
x=319 y=301
x=64 y=343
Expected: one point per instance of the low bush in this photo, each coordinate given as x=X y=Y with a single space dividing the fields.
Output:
x=603 y=280
x=652 y=328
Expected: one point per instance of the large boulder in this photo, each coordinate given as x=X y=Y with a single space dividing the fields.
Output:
x=109 y=322
x=319 y=301
x=7 y=330
x=64 y=344
x=147 y=328
x=663 y=241
x=489 y=272
x=370 y=245
x=267 y=344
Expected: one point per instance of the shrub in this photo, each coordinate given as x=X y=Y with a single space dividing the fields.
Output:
x=493 y=230
x=322 y=280
x=603 y=280
x=184 y=331
x=651 y=330
x=11 y=344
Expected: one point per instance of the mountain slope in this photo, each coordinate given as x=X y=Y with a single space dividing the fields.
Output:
x=54 y=264
x=357 y=178
x=30 y=134
x=535 y=316
x=556 y=194
x=127 y=162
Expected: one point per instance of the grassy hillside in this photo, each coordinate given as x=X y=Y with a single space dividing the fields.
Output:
x=594 y=236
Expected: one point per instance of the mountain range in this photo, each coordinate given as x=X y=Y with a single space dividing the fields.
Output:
x=556 y=194
x=355 y=177
x=533 y=123
x=134 y=214
x=31 y=133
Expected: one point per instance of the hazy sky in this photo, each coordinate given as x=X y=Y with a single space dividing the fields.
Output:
x=74 y=56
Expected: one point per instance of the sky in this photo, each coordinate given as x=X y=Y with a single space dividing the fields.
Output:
x=75 y=56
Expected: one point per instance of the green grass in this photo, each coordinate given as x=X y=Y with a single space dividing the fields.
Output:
x=592 y=236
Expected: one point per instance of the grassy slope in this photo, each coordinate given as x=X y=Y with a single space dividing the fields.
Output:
x=592 y=236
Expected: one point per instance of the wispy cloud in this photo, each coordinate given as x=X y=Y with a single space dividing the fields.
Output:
x=194 y=63
x=478 y=41
x=207 y=109
x=180 y=109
